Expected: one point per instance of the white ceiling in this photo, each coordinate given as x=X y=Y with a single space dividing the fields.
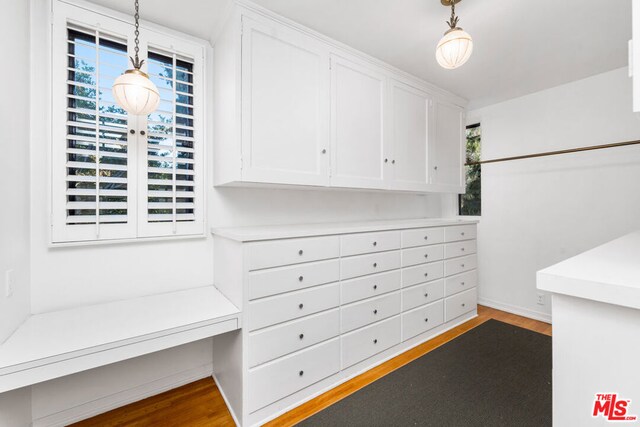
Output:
x=520 y=46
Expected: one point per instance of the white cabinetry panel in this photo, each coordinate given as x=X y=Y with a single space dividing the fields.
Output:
x=358 y=145
x=285 y=92
x=447 y=151
x=410 y=114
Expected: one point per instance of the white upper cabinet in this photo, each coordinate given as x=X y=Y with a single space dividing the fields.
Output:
x=411 y=110
x=447 y=150
x=358 y=147
x=292 y=107
x=634 y=53
x=285 y=93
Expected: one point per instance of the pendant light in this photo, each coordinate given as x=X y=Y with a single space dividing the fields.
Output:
x=133 y=90
x=454 y=49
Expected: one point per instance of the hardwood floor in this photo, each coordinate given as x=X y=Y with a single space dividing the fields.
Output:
x=200 y=403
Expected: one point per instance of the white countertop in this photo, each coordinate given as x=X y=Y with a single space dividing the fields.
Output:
x=609 y=273
x=256 y=233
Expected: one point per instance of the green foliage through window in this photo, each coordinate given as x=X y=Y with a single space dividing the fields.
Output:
x=469 y=203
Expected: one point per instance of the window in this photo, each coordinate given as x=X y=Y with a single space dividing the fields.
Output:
x=470 y=202
x=117 y=176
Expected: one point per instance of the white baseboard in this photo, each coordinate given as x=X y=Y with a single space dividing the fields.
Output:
x=520 y=311
x=119 y=399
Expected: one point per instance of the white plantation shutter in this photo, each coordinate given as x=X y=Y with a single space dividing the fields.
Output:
x=117 y=176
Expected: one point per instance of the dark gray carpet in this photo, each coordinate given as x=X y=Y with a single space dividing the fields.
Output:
x=494 y=375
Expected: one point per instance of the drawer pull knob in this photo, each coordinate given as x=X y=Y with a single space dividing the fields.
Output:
x=375 y=287
x=375 y=341
x=426 y=237
x=301 y=278
x=426 y=255
x=300 y=306
x=462 y=283
x=462 y=265
x=301 y=373
x=300 y=252
x=375 y=264
x=375 y=311
x=463 y=304
x=426 y=295
x=375 y=243
x=426 y=274
x=462 y=249
x=301 y=336
x=462 y=234
x=426 y=320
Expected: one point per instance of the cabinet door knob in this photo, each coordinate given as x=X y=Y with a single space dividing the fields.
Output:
x=324 y=151
x=300 y=306
x=300 y=252
x=386 y=160
x=301 y=373
x=435 y=168
x=393 y=162
x=301 y=336
x=375 y=311
x=375 y=287
x=142 y=133
x=132 y=131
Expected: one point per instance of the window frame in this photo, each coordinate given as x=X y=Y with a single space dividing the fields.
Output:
x=474 y=125
x=72 y=13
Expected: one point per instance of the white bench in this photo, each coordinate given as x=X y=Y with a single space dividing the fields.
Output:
x=60 y=343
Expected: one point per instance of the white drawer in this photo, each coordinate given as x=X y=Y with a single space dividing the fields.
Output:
x=460 y=232
x=421 y=255
x=422 y=236
x=363 y=313
x=366 y=342
x=460 y=304
x=460 y=265
x=422 y=273
x=425 y=293
x=422 y=319
x=281 y=308
x=273 y=281
x=364 y=243
x=274 y=381
x=370 y=286
x=275 y=253
x=368 y=264
x=465 y=247
x=277 y=341
x=460 y=282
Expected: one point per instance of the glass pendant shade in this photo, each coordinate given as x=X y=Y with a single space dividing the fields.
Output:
x=134 y=92
x=454 y=49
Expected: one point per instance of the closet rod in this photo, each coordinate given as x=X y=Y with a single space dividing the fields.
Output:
x=553 y=153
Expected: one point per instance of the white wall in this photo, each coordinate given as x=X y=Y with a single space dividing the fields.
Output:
x=537 y=212
x=15 y=406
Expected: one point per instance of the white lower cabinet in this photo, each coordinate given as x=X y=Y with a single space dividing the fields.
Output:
x=285 y=376
x=319 y=308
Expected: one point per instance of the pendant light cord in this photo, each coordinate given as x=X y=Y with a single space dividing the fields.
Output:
x=453 y=22
x=136 y=62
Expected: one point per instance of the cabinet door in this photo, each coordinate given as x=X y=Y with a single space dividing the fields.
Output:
x=357 y=128
x=447 y=150
x=285 y=97
x=411 y=111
